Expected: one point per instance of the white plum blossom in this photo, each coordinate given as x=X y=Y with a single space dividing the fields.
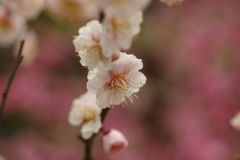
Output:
x=171 y=2
x=87 y=44
x=122 y=81
x=235 y=122
x=85 y=112
x=73 y=10
x=29 y=9
x=118 y=31
x=124 y=7
x=114 y=142
x=12 y=26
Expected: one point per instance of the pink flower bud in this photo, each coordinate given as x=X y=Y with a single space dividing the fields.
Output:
x=114 y=142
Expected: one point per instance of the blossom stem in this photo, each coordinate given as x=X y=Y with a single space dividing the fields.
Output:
x=104 y=113
x=88 y=149
x=5 y=91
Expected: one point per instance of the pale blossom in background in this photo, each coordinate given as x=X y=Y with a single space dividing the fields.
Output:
x=91 y=9
x=73 y=10
x=2 y=158
x=124 y=7
x=30 y=9
x=12 y=26
x=118 y=84
x=30 y=47
x=235 y=122
x=85 y=112
x=171 y=2
x=119 y=31
x=114 y=142
x=87 y=44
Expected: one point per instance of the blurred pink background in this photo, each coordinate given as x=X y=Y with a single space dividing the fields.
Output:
x=191 y=57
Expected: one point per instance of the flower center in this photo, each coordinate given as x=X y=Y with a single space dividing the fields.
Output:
x=118 y=81
x=90 y=115
x=119 y=25
x=95 y=50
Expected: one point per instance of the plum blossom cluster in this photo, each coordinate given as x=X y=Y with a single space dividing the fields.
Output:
x=114 y=76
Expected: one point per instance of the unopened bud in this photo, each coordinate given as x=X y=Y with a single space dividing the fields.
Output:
x=114 y=142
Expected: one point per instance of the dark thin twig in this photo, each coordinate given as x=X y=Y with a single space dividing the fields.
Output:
x=5 y=91
x=88 y=149
x=104 y=113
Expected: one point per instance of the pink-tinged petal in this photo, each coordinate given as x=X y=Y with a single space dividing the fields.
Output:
x=94 y=84
x=103 y=97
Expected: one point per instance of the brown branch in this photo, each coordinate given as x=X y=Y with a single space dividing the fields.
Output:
x=88 y=149
x=104 y=113
x=5 y=91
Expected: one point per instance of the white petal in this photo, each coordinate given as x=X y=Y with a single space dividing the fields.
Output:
x=89 y=128
x=75 y=118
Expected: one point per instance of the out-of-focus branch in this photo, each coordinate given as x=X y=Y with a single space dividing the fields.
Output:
x=5 y=91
